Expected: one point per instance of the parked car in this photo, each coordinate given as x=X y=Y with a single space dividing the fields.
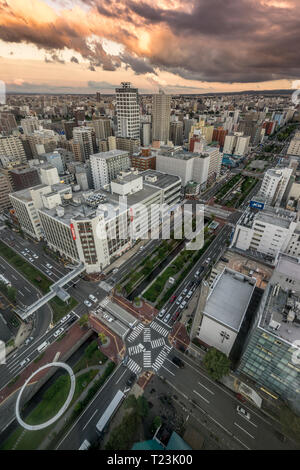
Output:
x=167 y=318
x=93 y=298
x=28 y=340
x=172 y=299
x=24 y=362
x=178 y=362
x=161 y=313
x=65 y=318
x=179 y=300
x=241 y=411
x=131 y=380
x=183 y=305
x=87 y=303
x=58 y=332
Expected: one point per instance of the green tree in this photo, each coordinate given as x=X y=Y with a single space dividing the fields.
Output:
x=102 y=338
x=142 y=407
x=216 y=364
x=290 y=423
x=83 y=321
x=156 y=423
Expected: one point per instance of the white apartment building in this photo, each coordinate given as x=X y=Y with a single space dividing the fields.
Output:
x=128 y=111
x=229 y=144
x=294 y=147
x=242 y=145
x=49 y=175
x=225 y=309
x=106 y=165
x=267 y=231
x=30 y=124
x=94 y=227
x=187 y=165
x=82 y=138
x=12 y=148
x=274 y=184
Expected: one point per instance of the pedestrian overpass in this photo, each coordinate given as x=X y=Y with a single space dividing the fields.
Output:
x=56 y=289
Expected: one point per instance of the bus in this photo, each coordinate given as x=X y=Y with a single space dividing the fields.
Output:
x=43 y=346
x=109 y=412
x=85 y=445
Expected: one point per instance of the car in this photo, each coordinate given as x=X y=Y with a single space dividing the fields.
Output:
x=280 y=436
x=65 y=318
x=167 y=318
x=241 y=411
x=24 y=362
x=35 y=256
x=189 y=294
x=175 y=316
x=131 y=380
x=171 y=280
x=58 y=332
x=93 y=298
x=208 y=260
x=178 y=362
x=115 y=270
x=28 y=340
x=172 y=299
x=49 y=273
x=87 y=303
x=179 y=300
x=125 y=360
x=161 y=313
x=31 y=260
x=197 y=273
x=49 y=266
x=185 y=291
x=142 y=248
x=183 y=305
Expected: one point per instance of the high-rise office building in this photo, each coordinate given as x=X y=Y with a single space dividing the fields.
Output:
x=30 y=124
x=161 y=110
x=176 y=132
x=5 y=190
x=101 y=127
x=128 y=111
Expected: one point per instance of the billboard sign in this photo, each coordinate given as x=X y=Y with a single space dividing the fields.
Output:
x=73 y=231
x=257 y=205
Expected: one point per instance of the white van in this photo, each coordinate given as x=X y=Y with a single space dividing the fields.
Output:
x=85 y=445
x=43 y=346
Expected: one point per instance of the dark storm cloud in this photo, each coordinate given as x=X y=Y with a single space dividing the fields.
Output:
x=138 y=65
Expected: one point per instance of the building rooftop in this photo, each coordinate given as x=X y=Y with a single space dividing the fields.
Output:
x=269 y=215
x=229 y=298
x=110 y=154
x=163 y=180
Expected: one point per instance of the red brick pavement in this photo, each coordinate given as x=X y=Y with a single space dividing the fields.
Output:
x=179 y=336
x=144 y=379
x=115 y=350
x=73 y=335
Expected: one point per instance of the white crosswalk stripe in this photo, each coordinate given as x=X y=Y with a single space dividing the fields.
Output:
x=104 y=302
x=133 y=366
x=161 y=358
x=134 y=350
x=157 y=342
x=135 y=332
x=159 y=329
x=147 y=335
x=147 y=359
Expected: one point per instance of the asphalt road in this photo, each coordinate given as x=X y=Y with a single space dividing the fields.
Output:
x=217 y=404
x=85 y=426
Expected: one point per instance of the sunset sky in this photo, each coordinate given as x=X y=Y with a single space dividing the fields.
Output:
x=182 y=46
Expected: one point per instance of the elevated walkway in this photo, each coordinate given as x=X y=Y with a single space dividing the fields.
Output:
x=55 y=290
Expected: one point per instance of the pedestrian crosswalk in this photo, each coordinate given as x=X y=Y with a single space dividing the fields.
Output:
x=156 y=343
x=135 y=349
x=135 y=332
x=161 y=358
x=133 y=366
x=160 y=329
x=147 y=359
x=104 y=302
x=147 y=335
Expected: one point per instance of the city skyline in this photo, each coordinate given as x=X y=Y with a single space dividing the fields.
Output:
x=50 y=46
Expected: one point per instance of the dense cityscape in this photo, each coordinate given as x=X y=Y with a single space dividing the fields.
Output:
x=149 y=269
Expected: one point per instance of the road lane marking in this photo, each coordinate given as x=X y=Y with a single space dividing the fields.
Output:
x=168 y=370
x=89 y=420
x=201 y=396
x=206 y=388
x=167 y=359
x=121 y=376
x=237 y=439
x=236 y=424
